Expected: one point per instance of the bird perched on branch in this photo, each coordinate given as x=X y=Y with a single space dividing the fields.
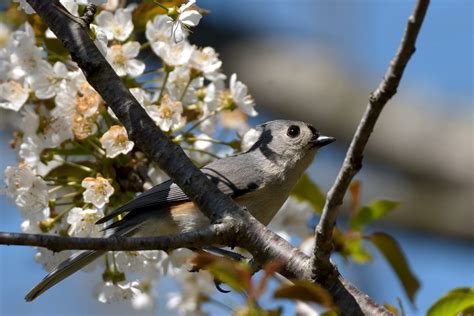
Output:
x=260 y=179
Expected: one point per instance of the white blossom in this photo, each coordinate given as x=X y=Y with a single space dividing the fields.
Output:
x=13 y=95
x=145 y=99
x=209 y=106
x=31 y=197
x=115 y=141
x=183 y=21
x=178 y=81
x=85 y=102
x=18 y=179
x=117 y=26
x=139 y=262
x=121 y=57
x=176 y=54
x=239 y=93
x=57 y=131
x=98 y=190
x=30 y=227
x=30 y=150
x=82 y=222
x=168 y=115
x=48 y=80
x=50 y=259
x=101 y=39
x=22 y=53
x=207 y=61
x=158 y=33
x=29 y=122
x=108 y=292
x=65 y=105
x=234 y=120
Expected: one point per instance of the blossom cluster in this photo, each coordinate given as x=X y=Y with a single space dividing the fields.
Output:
x=76 y=160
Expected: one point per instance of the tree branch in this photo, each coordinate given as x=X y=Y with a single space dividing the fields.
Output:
x=195 y=239
x=322 y=267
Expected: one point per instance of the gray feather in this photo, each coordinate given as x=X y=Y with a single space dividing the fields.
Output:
x=71 y=265
x=65 y=269
x=168 y=193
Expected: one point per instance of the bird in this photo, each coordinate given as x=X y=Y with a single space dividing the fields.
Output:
x=259 y=179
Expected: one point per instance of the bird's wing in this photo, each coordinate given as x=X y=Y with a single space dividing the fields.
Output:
x=225 y=173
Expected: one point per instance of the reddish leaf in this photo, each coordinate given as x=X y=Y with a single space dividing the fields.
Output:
x=354 y=190
x=235 y=274
x=269 y=269
x=305 y=291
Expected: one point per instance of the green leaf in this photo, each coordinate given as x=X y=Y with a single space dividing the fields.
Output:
x=371 y=213
x=391 y=308
x=354 y=248
x=453 y=303
x=395 y=257
x=306 y=190
x=304 y=291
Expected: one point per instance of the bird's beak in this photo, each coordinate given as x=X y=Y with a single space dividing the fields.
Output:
x=323 y=141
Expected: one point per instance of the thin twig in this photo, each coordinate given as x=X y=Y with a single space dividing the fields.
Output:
x=195 y=239
x=353 y=161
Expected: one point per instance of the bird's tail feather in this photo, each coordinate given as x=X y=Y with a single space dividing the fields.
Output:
x=77 y=261
x=63 y=270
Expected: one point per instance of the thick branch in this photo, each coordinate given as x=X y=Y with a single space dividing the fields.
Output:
x=353 y=161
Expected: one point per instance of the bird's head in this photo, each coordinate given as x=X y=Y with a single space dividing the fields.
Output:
x=287 y=143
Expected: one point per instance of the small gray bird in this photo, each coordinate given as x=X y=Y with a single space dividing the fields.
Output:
x=260 y=179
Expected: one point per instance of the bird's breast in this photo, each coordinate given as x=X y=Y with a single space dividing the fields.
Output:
x=264 y=203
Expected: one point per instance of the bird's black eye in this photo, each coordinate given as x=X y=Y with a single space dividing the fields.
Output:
x=293 y=131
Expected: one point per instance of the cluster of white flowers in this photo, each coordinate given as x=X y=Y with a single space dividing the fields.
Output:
x=71 y=147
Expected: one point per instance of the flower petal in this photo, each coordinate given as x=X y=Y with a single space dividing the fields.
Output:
x=135 y=67
x=190 y=18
